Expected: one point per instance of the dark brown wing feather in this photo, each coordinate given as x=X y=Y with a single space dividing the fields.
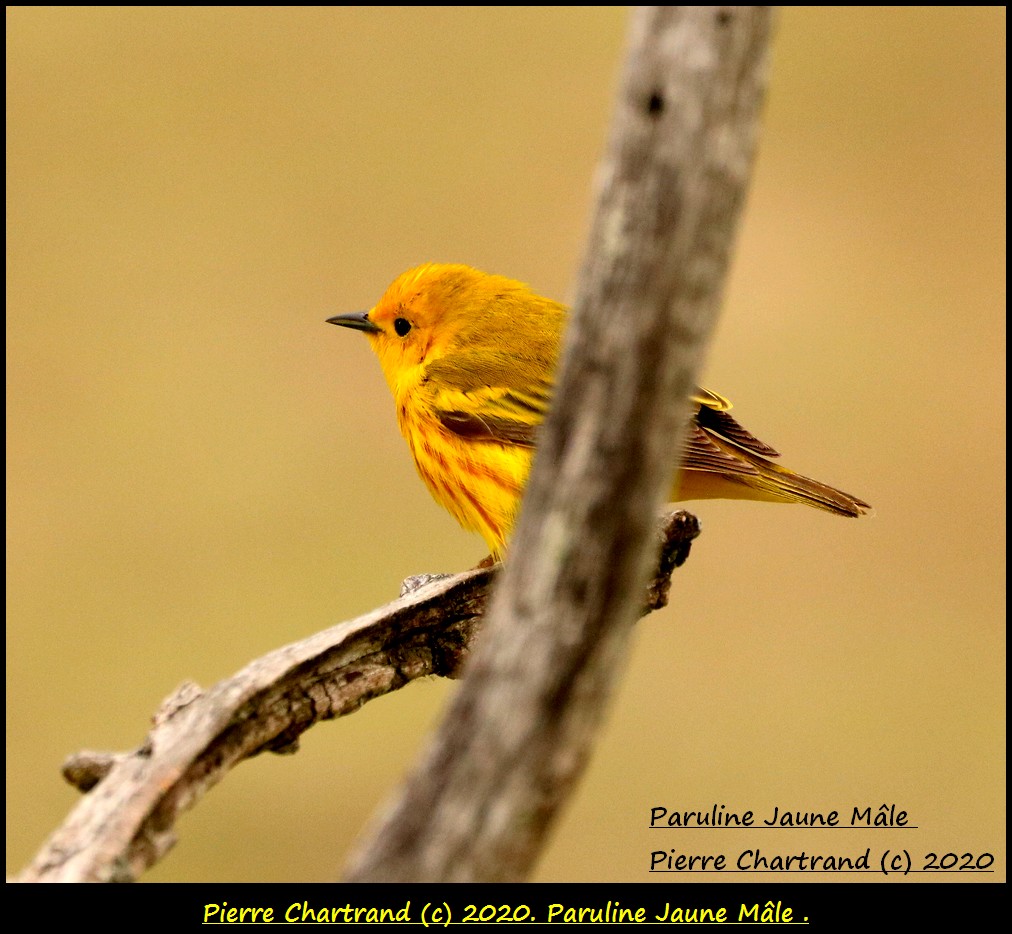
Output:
x=486 y=427
x=721 y=423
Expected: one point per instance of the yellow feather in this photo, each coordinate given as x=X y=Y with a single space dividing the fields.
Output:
x=469 y=358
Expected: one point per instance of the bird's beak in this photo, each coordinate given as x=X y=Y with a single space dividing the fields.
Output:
x=356 y=320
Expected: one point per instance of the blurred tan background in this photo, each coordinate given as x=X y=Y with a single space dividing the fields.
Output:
x=200 y=469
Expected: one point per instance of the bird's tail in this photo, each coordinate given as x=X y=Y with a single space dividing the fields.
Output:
x=783 y=484
x=724 y=460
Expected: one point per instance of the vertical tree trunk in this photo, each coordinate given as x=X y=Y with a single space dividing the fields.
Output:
x=671 y=187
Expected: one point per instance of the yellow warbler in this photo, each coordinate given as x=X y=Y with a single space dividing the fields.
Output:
x=469 y=358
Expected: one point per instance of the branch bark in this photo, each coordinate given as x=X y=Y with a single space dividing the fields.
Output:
x=125 y=822
x=672 y=184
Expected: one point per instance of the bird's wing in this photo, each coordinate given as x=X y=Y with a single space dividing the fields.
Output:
x=718 y=444
x=493 y=397
x=708 y=448
x=489 y=397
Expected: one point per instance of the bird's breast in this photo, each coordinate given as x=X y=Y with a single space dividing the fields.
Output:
x=479 y=482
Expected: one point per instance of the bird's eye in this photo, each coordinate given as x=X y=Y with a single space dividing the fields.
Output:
x=402 y=326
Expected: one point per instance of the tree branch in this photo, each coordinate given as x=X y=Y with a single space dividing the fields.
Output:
x=518 y=733
x=125 y=822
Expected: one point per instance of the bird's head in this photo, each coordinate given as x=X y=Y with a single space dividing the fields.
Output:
x=441 y=308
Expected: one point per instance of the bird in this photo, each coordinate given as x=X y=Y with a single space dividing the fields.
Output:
x=469 y=357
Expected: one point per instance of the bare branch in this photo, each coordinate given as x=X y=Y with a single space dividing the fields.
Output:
x=125 y=822
x=519 y=731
